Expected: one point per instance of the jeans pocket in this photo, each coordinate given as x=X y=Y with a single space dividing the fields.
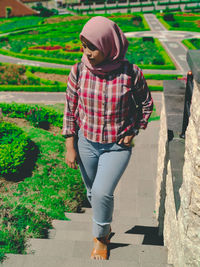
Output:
x=122 y=145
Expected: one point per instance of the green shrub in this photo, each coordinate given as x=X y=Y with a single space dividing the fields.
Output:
x=38 y=117
x=49 y=70
x=148 y=39
x=190 y=45
x=148 y=55
x=14 y=147
x=48 y=114
x=161 y=76
x=169 y=17
x=32 y=88
x=41 y=81
x=12 y=74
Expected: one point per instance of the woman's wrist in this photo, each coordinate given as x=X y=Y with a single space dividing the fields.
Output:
x=70 y=142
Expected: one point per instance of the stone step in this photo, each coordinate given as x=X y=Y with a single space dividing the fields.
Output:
x=134 y=239
x=42 y=261
x=118 y=216
x=82 y=249
x=118 y=226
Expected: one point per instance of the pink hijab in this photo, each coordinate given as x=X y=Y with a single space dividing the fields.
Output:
x=109 y=39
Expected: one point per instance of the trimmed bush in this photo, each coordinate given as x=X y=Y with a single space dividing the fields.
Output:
x=37 y=88
x=169 y=17
x=48 y=114
x=14 y=147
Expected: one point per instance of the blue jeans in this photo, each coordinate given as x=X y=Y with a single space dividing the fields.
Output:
x=102 y=166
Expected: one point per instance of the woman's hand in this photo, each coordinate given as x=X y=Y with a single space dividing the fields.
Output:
x=126 y=140
x=70 y=158
x=71 y=155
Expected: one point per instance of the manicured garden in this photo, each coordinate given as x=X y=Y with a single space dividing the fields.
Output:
x=60 y=43
x=181 y=21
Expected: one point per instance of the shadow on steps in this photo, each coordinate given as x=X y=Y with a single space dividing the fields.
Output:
x=151 y=235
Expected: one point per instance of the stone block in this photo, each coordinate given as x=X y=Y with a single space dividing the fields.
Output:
x=191 y=141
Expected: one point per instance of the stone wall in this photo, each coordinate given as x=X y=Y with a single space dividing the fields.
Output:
x=178 y=176
x=189 y=213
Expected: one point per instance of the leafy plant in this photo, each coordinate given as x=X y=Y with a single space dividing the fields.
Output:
x=38 y=118
x=14 y=148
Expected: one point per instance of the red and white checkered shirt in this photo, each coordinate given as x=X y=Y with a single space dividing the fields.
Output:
x=104 y=107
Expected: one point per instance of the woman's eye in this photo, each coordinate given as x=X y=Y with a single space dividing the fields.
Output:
x=92 y=47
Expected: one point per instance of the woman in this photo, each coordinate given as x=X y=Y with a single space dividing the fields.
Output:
x=101 y=99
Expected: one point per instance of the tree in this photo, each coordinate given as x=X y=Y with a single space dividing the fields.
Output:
x=8 y=11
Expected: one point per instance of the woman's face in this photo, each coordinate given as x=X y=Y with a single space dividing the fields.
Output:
x=94 y=55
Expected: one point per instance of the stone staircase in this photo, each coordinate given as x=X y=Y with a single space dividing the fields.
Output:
x=134 y=240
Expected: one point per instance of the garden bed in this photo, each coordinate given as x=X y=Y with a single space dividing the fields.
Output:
x=148 y=53
x=192 y=43
x=60 y=43
x=181 y=21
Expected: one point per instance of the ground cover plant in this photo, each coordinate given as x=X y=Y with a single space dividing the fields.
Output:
x=192 y=43
x=28 y=204
x=181 y=21
x=14 y=148
x=147 y=53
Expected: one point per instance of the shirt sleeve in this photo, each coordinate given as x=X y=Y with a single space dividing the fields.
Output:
x=71 y=102
x=143 y=98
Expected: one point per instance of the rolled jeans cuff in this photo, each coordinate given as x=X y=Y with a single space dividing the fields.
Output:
x=100 y=229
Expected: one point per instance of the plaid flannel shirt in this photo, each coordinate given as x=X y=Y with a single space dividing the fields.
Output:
x=104 y=107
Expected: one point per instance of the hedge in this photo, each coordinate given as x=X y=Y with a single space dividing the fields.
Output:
x=30 y=75
x=33 y=88
x=16 y=110
x=161 y=76
x=36 y=58
x=14 y=148
x=155 y=88
x=188 y=44
x=49 y=70
x=177 y=2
